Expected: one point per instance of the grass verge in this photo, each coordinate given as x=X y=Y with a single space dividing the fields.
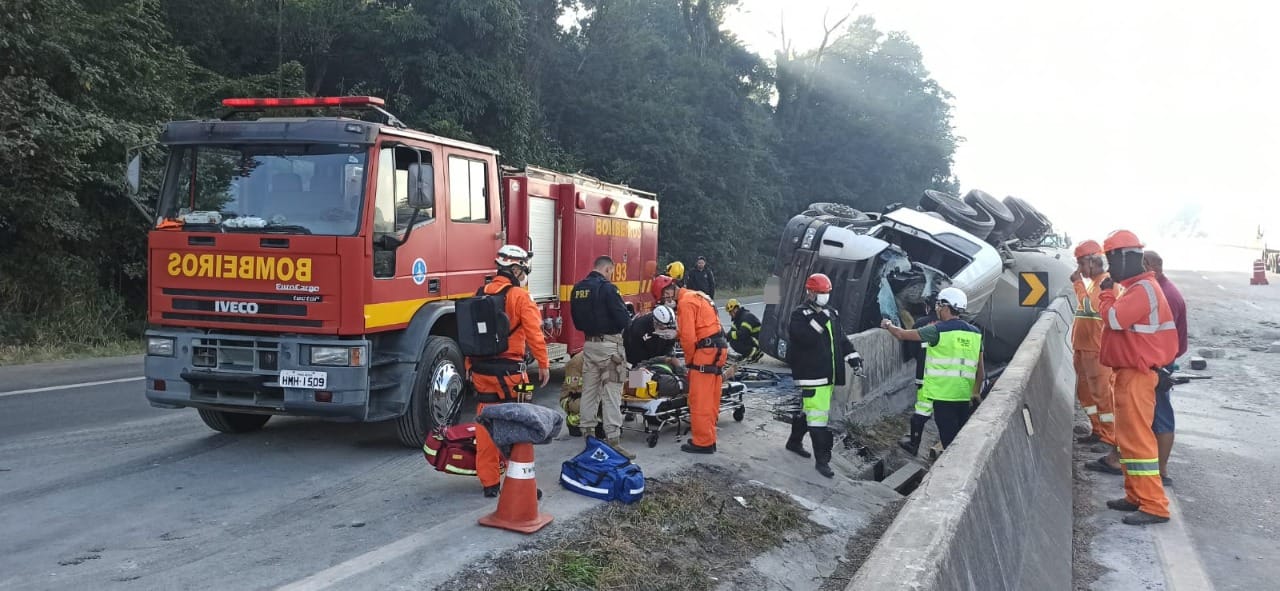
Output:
x=687 y=533
x=738 y=293
x=22 y=354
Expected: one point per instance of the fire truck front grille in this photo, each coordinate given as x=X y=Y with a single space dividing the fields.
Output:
x=241 y=307
x=236 y=354
x=242 y=319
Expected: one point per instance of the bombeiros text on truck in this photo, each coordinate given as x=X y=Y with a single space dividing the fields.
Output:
x=308 y=265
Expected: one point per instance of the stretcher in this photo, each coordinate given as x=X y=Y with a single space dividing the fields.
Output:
x=655 y=414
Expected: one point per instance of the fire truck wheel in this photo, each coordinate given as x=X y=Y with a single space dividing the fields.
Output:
x=437 y=391
x=232 y=422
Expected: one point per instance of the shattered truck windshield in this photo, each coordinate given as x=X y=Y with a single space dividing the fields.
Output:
x=290 y=189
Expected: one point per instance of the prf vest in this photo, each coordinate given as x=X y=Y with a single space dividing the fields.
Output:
x=951 y=366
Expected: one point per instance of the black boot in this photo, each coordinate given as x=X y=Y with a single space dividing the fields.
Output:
x=823 y=440
x=795 y=443
x=911 y=443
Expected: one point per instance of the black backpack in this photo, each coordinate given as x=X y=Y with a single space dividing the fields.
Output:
x=483 y=325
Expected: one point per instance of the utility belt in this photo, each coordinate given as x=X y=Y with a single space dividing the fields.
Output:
x=501 y=368
x=603 y=338
x=715 y=341
x=523 y=393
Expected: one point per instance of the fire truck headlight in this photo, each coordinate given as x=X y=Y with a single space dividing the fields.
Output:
x=338 y=356
x=160 y=346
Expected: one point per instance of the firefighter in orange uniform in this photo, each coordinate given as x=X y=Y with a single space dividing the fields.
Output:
x=503 y=379
x=1138 y=337
x=1093 y=380
x=705 y=350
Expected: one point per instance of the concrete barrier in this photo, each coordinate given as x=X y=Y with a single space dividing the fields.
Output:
x=995 y=511
x=888 y=386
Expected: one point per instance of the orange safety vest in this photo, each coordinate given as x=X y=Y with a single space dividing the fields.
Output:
x=1139 y=331
x=1086 y=331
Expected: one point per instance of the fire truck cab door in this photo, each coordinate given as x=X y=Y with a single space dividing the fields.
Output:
x=474 y=219
x=414 y=270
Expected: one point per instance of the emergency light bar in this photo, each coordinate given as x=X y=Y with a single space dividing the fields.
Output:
x=313 y=101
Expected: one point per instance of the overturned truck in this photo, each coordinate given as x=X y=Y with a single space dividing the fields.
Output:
x=1003 y=254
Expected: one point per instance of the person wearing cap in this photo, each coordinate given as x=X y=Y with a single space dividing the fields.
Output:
x=701 y=278
x=650 y=335
x=599 y=311
x=1093 y=380
x=816 y=344
x=744 y=331
x=1139 y=339
x=498 y=380
x=706 y=350
x=953 y=366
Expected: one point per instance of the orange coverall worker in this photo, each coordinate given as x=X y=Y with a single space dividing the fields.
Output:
x=1139 y=335
x=706 y=350
x=526 y=331
x=1093 y=379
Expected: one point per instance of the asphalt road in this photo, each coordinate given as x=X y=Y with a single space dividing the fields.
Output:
x=100 y=491
x=1224 y=462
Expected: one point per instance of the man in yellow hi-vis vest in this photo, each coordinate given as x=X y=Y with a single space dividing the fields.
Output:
x=953 y=369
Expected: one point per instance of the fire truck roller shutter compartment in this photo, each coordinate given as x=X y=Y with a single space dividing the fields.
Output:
x=542 y=239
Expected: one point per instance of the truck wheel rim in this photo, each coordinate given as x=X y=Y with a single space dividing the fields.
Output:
x=446 y=387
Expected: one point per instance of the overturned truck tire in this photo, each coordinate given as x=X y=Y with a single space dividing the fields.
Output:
x=960 y=214
x=1004 y=223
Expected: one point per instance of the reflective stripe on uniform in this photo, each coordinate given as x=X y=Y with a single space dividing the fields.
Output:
x=951 y=373
x=813 y=382
x=1141 y=467
x=814 y=323
x=1153 y=324
x=1107 y=417
x=953 y=361
x=1085 y=308
x=924 y=407
x=1091 y=410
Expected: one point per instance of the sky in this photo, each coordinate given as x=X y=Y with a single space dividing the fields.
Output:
x=1101 y=114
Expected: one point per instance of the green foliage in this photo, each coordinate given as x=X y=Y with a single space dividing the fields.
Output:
x=653 y=93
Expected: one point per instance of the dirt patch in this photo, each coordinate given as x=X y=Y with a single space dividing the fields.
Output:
x=689 y=532
x=860 y=547
x=1085 y=571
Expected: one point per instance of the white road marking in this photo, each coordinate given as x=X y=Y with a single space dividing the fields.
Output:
x=1182 y=568
x=1222 y=288
x=380 y=556
x=70 y=386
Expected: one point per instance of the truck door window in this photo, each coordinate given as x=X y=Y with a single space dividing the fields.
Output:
x=391 y=211
x=391 y=207
x=468 y=190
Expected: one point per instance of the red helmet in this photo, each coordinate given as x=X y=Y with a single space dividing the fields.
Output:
x=1121 y=239
x=818 y=283
x=1088 y=248
x=660 y=284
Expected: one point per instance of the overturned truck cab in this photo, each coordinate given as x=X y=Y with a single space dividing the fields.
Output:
x=889 y=265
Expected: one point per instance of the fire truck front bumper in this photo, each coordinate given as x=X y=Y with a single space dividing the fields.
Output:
x=290 y=375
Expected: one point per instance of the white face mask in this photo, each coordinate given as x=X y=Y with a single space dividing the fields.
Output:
x=524 y=280
x=668 y=334
x=821 y=298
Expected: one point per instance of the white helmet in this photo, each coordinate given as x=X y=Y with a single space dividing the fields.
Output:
x=511 y=255
x=953 y=297
x=664 y=316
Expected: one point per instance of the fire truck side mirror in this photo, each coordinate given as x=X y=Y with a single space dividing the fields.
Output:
x=422 y=186
x=133 y=174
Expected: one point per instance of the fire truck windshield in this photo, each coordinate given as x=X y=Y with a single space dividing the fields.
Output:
x=292 y=189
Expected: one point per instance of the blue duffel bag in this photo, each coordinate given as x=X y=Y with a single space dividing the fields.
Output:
x=600 y=472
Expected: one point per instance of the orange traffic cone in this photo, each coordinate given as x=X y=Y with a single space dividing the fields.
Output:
x=518 y=501
x=1259 y=273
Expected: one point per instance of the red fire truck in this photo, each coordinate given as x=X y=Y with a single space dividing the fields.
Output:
x=308 y=266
